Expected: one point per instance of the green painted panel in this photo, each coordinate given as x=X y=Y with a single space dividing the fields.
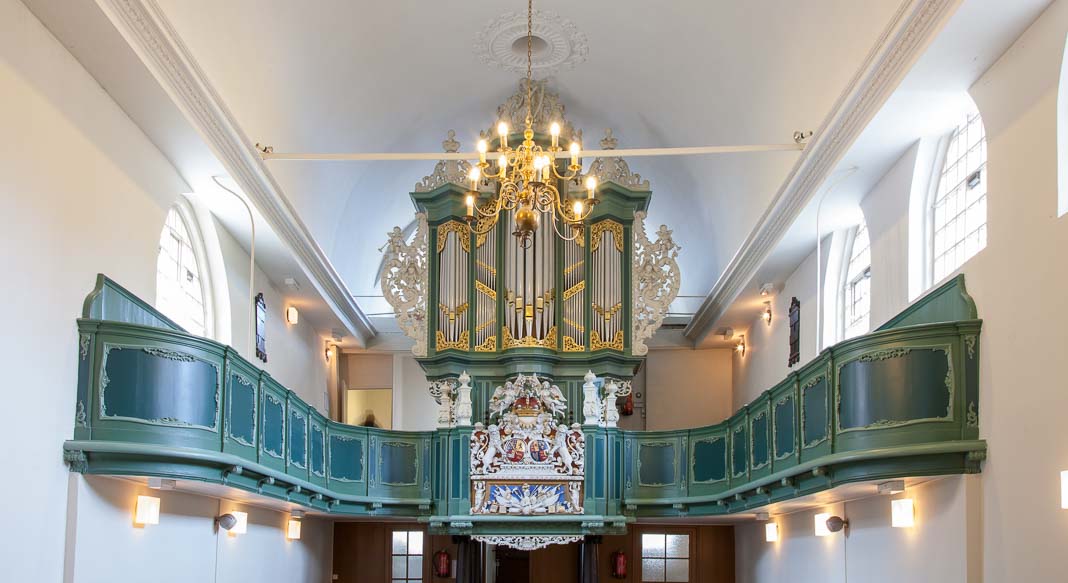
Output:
x=398 y=463
x=656 y=464
x=739 y=452
x=346 y=458
x=317 y=445
x=759 y=430
x=784 y=426
x=241 y=410
x=710 y=460
x=814 y=420
x=894 y=387
x=456 y=455
x=159 y=386
x=111 y=301
x=298 y=434
x=272 y=440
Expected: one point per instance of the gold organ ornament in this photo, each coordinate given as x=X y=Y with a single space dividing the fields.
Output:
x=527 y=175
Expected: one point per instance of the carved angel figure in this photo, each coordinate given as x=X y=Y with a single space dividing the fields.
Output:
x=502 y=398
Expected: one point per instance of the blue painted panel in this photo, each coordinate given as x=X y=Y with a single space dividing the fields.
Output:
x=159 y=386
x=272 y=438
x=656 y=464
x=760 y=440
x=298 y=433
x=241 y=411
x=346 y=458
x=894 y=386
x=783 y=412
x=399 y=463
x=318 y=451
x=814 y=413
x=710 y=460
x=739 y=452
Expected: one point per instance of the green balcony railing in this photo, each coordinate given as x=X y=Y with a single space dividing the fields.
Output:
x=153 y=400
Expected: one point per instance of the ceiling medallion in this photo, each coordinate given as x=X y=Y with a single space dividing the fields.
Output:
x=562 y=45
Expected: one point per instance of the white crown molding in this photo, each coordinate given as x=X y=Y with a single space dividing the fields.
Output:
x=148 y=32
x=912 y=28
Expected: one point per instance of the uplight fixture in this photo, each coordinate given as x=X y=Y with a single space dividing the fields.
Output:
x=820 y=524
x=740 y=347
x=292 y=316
x=241 y=523
x=147 y=511
x=293 y=529
x=771 y=532
x=766 y=316
x=902 y=513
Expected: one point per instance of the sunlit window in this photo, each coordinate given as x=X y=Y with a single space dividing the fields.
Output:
x=958 y=211
x=665 y=557
x=857 y=292
x=407 y=556
x=179 y=288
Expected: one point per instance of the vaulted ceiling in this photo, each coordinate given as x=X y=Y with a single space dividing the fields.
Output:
x=340 y=76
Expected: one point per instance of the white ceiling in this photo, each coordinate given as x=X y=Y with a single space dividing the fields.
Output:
x=396 y=76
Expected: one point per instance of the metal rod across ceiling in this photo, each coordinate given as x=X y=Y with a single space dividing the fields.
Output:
x=629 y=153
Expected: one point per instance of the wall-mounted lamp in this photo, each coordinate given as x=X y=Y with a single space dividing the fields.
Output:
x=292 y=315
x=740 y=347
x=147 y=511
x=233 y=522
x=766 y=316
x=825 y=524
x=766 y=289
x=330 y=351
x=902 y=513
x=892 y=487
x=293 y=526
x=771 y=532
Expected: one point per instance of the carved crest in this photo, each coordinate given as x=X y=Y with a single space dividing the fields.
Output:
x=545 y=109
x=446 y=171
x=614 y=168
x=655 y=278
x=404 y=282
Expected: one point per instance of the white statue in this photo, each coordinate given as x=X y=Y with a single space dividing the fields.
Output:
x=480 y=494
x=442 y=391
x=560 y=447
x=492 y=449
x=591 y=404
x=574 y=496
x=463 y=401
x=611 y=413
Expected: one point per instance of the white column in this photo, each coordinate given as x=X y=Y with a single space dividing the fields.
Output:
x=463 y=401
x=591 y=404
x=611 y=413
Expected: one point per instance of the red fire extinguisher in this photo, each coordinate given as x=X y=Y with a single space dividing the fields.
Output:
x=628 y=405
x=619 y=565
x=442 y=564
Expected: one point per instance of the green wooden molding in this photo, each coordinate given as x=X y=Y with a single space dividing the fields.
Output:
x=946 y=303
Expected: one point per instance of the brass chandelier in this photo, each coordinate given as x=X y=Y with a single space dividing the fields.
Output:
x=528 y=175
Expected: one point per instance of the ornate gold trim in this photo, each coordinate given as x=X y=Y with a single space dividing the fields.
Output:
x=486 y=290
x=572 y=345
x=486 y=266
x=509 y=342
x=597 y=344
x=598 y=228
x=485 y=324
x=574 y=290
x=463 y=343
x=453 y=314
x=607 y=313
x=462 y=233
x=574 y=266
x=574 y=324
x=490 y=345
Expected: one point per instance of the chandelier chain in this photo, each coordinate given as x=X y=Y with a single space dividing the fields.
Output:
x=530 y=58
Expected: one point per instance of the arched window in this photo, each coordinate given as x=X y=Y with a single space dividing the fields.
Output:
x=180 y=281
x=958 y=207
x=856 y=292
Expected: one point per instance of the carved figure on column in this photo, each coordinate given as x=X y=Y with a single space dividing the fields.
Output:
x=591 y=403
x=655 y=279
x=463 y=401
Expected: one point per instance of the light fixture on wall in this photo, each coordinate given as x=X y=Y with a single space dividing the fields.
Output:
x=292 y=315
x=892 y=487
x=740 y=347
x=293 y=525
x=771 y=532
x=767 y=289
x=330 y=352
x=902 y=513
x=234 y=522
x=826 y=524
x=766 y=316
x=147 y=511
x=1064 y=489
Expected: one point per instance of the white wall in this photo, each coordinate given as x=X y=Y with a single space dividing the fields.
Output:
x=185 y=546
x=413 y=407
x=1009 y=517
x=84 y=192
x=687 y=388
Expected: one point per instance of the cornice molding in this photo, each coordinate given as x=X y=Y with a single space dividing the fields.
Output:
x=908 y=34
x=148 y=32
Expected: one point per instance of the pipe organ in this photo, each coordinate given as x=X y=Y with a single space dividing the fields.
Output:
x=555 y=306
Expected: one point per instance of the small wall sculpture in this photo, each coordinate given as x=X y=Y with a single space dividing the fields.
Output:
x=528 y=463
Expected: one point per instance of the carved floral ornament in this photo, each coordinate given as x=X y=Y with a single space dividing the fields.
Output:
x=655 y=278
x=404 y=282
x=528 y=542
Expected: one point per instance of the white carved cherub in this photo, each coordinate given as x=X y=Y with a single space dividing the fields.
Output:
x=574 y=495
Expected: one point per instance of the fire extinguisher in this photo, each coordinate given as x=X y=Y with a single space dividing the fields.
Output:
x=442 y=564
x=628 y=405
x=619 y=565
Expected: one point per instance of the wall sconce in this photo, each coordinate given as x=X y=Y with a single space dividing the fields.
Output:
x=771 y=532
x=892 y=487
x=766 y=289
x=293 y=526
x=766 y=316
x=147 y=511
x=902 y=513
x=292 y=315
x=825 y=524
x=234 y=522
x=330 y=351
x=740 y=347
x=1064 y=489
